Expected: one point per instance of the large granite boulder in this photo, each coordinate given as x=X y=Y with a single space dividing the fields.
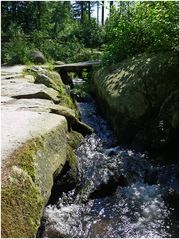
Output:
x=133 y=95
x=33 y=148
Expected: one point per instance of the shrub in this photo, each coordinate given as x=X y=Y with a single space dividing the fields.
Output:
x=139 y=27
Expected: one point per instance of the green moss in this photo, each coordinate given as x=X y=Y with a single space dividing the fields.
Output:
x=24 y=157
x=21 y=199
x=66 y=100
x=21 y=205
x=53 y=80
x=74 y=139
x=58 y=85
x=73 y=175
x=71 y=157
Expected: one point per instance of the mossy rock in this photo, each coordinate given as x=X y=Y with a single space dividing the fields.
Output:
x=132 y=92
x=73 y=122
x=69 y=176
x=74 y=173
x=37 y=57
x=53 y=80
x=74 y=139
x=50 y=79
x=27 y=180
x=21 y=204
x=169 y=111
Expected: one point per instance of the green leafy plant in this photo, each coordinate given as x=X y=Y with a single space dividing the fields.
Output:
x=137 y=27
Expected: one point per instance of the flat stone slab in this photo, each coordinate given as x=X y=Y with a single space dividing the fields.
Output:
x=9 y=76
x=21 y=88
x=12 y=69
x=76 y=66
x=38 y=105
x=21 y=126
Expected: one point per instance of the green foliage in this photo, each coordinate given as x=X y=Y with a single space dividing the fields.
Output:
x=139 y=27
x=48 y=27
x=17 y=51
x=89 y=33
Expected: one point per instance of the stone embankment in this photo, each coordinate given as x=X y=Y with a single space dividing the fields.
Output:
x=40 y=129
x=139 y=96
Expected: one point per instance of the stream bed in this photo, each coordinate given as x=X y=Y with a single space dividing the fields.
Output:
x=121 y=193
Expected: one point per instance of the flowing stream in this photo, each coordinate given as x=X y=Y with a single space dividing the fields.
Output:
x=121 y=193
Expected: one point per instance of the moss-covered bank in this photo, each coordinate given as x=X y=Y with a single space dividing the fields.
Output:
x=133 y=94
x=43 y=143
x=27 y=179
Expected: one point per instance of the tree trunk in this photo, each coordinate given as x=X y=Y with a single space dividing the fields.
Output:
x=102 y=19
x=97 y=12
x=14 y=11
x=111 y=5
x=38 y=21
x=82 y=11
x=89 y=10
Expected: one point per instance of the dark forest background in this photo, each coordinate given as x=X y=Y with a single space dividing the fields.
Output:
x=79 y=30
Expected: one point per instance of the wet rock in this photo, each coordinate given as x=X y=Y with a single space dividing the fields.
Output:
x=65 y=179
x=106 y=173
x=63 y=215
x=112 y=151
x=167 y=176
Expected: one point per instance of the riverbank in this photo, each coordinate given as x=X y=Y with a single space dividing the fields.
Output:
x=40 y=124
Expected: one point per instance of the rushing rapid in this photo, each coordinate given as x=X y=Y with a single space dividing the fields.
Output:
x=121 y=192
